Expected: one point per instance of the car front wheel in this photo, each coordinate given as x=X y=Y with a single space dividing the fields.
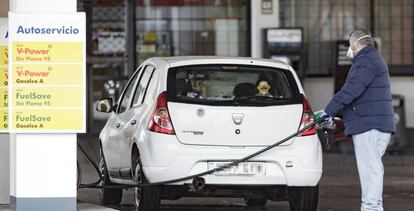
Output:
x=303 y=198
x=145 y=198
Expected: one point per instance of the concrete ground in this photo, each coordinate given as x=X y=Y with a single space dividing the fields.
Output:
x=339 y=187
x=80 y=206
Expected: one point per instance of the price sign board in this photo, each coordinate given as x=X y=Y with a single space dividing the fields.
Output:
x=47 y=73
x=4 y=62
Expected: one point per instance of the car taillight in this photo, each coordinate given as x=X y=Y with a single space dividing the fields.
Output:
x=160 y=120
x=307 y=118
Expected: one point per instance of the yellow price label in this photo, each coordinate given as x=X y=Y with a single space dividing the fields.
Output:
x=47 y=97
x=47 y=120
x=4 y=76
x=47 y=74
x=45 y=52
x=4 y=121
x=4 y=101
x=4 y=55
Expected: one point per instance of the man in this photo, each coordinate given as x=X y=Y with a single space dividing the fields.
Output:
x=365 y=104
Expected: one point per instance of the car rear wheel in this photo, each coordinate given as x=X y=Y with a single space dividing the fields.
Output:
x=145 y=198
x=255 y=202
x=109 y=196
x=303 y=198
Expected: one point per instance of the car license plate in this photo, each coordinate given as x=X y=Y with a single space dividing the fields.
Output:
x=242 y=169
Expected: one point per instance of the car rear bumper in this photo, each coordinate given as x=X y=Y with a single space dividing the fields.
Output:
x=164 y=158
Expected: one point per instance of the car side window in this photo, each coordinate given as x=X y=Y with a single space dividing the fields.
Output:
x=142 y=85
x=126 y=97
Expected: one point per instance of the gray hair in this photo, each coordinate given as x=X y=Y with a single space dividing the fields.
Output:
x=358 y=33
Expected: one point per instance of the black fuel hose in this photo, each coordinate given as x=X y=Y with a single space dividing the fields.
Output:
x=234 y=163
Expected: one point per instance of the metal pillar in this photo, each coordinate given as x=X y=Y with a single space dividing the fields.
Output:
x=372 y=17
x=87 y=6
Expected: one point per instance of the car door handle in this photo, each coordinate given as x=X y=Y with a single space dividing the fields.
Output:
x=133 y=122
x=118 y=125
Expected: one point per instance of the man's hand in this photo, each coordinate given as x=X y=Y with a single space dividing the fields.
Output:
x=328 y=121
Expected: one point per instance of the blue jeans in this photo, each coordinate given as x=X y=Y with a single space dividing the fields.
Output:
x=369 y=147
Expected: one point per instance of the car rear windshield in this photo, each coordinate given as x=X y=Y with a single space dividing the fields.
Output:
x=232 y=85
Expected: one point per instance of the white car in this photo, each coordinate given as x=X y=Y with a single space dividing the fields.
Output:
x=179 y=116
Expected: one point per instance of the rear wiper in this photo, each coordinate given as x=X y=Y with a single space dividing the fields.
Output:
x=198 y=99
x=260 y=99
x=250 y=98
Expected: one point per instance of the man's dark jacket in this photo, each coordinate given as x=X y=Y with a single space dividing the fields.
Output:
x=365 y=100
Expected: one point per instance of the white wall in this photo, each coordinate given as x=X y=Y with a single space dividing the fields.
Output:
x=260 y=21
x=320 y=90
x=40 y=5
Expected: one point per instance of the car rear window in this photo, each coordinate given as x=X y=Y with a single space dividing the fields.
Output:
x=232 y=85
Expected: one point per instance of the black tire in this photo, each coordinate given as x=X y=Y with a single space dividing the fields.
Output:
x=255 y=202
x=303 y=198
x=108 y=196
x=145 y=198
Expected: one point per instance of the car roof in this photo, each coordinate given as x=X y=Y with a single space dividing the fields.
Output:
x=195 y=60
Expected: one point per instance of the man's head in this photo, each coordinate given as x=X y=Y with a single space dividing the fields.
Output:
x=358 y=39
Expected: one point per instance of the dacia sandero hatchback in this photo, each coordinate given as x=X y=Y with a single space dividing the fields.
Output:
x=180 y=116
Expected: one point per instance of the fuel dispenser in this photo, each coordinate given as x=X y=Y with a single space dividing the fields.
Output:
x=342 y=64
x=341 y=69
x=285 y=44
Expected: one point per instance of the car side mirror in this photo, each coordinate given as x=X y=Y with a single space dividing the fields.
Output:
x=105 y=105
